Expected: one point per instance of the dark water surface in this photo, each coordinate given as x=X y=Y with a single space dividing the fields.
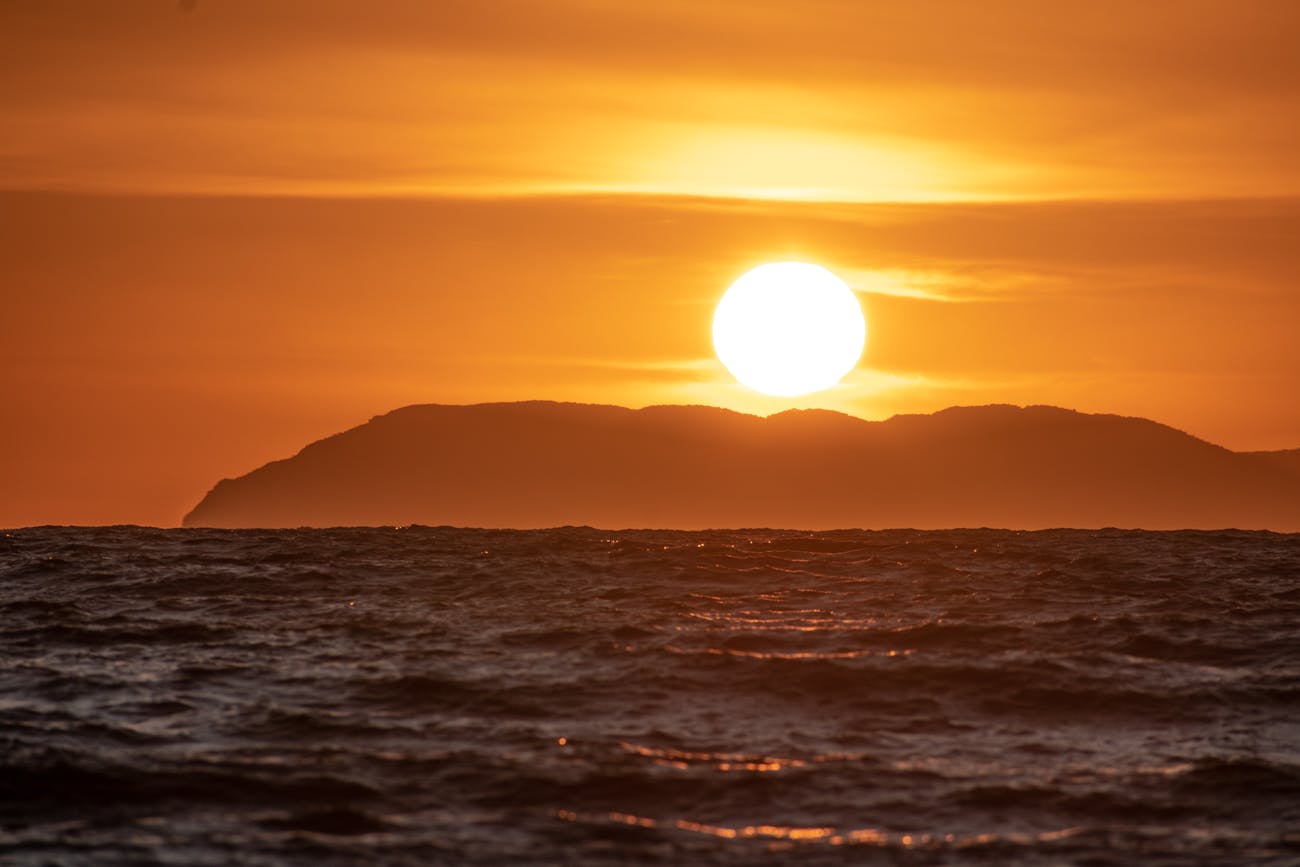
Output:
x=431 y=695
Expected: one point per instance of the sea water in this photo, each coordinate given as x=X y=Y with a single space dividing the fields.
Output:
x=578 y=696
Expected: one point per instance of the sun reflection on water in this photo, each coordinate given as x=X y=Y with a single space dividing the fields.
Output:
x=685 y=759
x=783 y=837
x=780 y=837
x=792 y=654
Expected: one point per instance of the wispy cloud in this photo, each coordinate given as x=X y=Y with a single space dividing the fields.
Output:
x=655 y=369
x=977 y=282
x=848 y=101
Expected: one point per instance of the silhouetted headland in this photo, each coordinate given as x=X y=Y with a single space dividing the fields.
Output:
x=542 y=464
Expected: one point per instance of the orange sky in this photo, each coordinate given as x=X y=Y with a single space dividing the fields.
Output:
x=230 y=229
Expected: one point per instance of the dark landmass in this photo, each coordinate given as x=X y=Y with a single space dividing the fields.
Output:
x=1287 y=460
x=541 y=464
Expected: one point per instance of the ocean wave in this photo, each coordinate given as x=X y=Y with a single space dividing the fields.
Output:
x=433 y=695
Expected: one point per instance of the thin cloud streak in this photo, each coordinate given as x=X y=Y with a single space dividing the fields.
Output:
x=844 y=101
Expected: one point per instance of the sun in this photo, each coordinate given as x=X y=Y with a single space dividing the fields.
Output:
x=789 y=328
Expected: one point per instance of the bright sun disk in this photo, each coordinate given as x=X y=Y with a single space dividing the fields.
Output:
x=789 y=328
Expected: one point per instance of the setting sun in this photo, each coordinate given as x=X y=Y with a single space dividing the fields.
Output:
x=789 y=328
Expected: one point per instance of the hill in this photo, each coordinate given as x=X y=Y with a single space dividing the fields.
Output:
x=540 y=464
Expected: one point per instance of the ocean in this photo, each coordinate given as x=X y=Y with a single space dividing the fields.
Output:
x=420 y=695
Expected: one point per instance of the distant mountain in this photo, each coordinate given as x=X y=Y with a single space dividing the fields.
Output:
x=541 y=464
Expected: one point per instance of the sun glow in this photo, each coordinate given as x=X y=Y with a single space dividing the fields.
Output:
x=789 y=328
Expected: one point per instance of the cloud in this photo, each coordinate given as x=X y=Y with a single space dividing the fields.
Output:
x=973 y=283
x=827 y=100
x=658 y=370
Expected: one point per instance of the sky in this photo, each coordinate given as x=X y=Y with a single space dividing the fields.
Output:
x=230 y=228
